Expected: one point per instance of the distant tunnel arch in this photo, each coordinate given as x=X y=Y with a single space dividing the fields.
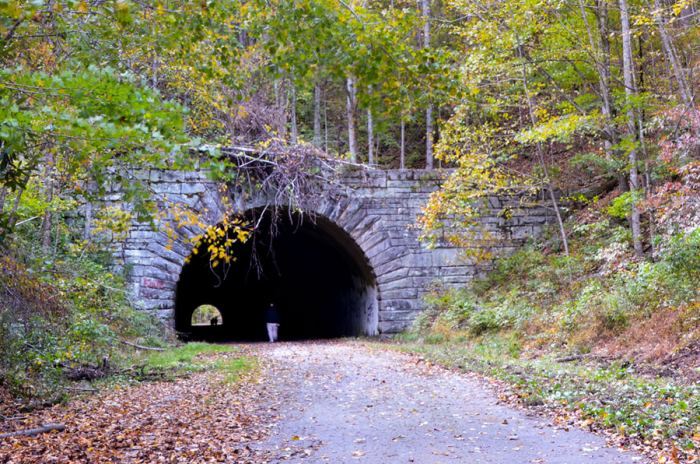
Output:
x=310 y=268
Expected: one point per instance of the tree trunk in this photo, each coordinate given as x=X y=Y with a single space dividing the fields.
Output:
x=350 y=110
x=555 y=205
x=317 y=114
x=370 y=137
x=425 y=7
x=87 y=230
x=325 y=127
x=601 y=55
x=602 y=61
x=280 y=106
x=630 y=92
x=47 y=221
x=48 y=188
x=12 y=217
x=684 y=89
x=3 y=231
x=376 y=150
x=613 y=133
x=429 y=137
x=402 y=154
x=293 y=114
x=603 y=32
x=543 y=165
x=652 y=219
x=3 y=194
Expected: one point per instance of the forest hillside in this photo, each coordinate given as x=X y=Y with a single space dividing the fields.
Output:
x=589 y=104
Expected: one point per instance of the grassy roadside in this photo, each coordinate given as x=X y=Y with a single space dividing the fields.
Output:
x=656 y=415
x=188 y=359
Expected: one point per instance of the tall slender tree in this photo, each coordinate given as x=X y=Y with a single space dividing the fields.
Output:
x=317 y=114
x=628 y=71
x=351 y=107
x=425 y=9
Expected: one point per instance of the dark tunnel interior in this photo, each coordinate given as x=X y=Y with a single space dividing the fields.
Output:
x=310 y=268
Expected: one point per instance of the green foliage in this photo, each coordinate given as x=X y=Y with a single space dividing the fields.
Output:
x=593 y=164
x=568 y=302
x=458 y=310
x=621 y=207
x=486 y=320
x=559 y=129
x=188 y=357
x=51 y=126
x=543 y=105
x=682 y=254
x=57 y=313
x=233 y=368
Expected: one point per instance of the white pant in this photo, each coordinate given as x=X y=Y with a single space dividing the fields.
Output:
x=272 y=331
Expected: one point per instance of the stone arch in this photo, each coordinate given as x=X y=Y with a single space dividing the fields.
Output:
x=312 y=268
x=376 y=209
x=206 y=315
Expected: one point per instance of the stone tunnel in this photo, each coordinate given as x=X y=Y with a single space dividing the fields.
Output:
x=354 y=266
x=312 y=270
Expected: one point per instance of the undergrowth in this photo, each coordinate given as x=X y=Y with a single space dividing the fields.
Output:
x=63 y=310
x=576 y=303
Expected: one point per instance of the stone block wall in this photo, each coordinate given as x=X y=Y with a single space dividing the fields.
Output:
x=378 y=209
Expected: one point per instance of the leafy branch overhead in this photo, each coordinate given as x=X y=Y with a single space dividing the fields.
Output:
x=92 y=92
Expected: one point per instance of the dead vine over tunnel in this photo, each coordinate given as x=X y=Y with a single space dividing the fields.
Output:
x=309 y=267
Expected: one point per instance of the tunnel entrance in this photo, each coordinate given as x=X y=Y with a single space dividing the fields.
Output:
x=314 y=272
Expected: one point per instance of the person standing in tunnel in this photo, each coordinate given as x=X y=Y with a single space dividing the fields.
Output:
x=272 y=317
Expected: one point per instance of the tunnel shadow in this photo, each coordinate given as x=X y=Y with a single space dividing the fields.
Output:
x=312 y=270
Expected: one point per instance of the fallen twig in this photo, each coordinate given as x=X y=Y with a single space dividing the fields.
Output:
x=81 y=389
x=32 y=432
x=86 y=371
x=141 y=347
x=574 y=357
x=13 y=418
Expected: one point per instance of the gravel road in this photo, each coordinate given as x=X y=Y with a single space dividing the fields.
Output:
x=346 y=402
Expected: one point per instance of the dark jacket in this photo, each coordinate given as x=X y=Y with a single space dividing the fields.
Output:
x=272 y=316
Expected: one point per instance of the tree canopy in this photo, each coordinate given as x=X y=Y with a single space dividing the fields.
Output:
x=525 y=95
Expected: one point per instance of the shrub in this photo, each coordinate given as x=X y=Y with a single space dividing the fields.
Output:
x=683 y=253
x=486 y=320
x=612 y=316
x=71 y=312
x=515 y=311
x=30 y=312
x=447 y=307
x=621 y=206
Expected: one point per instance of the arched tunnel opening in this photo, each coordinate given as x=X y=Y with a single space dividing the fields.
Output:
x=310 y=268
